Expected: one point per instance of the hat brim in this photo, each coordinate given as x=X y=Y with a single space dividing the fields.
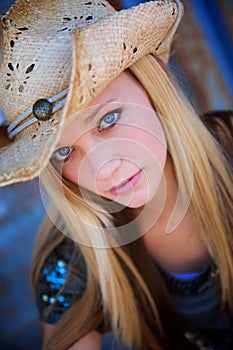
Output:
x=27 y=156
x=108 y=47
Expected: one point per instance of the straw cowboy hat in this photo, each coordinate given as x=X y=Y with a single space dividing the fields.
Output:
x=50 y=46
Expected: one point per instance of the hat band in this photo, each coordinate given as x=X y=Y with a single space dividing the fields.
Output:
x=14 y=129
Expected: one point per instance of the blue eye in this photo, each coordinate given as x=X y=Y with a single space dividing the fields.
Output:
x=62 y=154
x=109 y=120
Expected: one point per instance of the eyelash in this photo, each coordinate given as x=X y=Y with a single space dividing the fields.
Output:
x=56 y=155
x=117 y=117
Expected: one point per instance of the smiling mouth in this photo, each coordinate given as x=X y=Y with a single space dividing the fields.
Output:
x=127 y=185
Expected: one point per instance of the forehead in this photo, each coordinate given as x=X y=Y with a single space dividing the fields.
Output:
x=124 y=89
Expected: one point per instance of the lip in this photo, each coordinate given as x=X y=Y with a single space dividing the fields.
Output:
x=127 y=185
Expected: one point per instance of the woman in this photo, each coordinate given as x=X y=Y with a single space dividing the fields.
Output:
x=135 y=251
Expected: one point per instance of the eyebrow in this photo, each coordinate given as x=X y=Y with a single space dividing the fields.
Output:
x=97 y=109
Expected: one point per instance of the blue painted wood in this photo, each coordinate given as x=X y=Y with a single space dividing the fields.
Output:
x=211 y=22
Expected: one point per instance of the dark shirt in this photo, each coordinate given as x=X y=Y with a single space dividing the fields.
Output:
x=62 y=281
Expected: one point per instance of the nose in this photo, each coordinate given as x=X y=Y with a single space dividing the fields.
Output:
x=108 y=169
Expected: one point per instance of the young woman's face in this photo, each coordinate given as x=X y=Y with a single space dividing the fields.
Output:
x=116 y=147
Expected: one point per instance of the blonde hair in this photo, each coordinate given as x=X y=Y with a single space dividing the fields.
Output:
x=110 y=272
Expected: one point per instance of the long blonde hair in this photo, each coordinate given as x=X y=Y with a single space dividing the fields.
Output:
x=116 y=288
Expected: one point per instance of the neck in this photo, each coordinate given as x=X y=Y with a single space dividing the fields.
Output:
x=158 y=211
x=170 y=235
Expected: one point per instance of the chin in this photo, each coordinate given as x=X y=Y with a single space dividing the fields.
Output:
x=135 y=202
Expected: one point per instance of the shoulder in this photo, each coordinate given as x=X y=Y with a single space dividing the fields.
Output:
x=62 y=281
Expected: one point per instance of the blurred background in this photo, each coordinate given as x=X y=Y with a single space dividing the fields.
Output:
x=202 y=61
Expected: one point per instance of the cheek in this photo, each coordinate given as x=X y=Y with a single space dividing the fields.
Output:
x=78 y=173
x=155 y=145
x=149 y=145
x=146 y=133
x=70 y=170
x=70 y=174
